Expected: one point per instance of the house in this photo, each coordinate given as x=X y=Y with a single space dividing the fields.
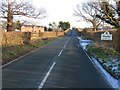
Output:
x=32 y=28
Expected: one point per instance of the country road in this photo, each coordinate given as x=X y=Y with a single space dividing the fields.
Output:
x=59 y=64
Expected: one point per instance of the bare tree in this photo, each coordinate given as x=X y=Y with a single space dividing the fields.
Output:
x=109 y=12
x=23 y=8
x=88 y=13
x=10 y=24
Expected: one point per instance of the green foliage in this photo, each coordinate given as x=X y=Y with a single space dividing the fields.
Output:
x=105 y=57
x=50 y=25
x=102 y=53
x=50 y=29
x=93 y=49
x=45 y=28
x=64 y=25
x=18 y=25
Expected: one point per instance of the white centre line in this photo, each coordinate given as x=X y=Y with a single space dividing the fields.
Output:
x=66 y=43
x=48 y=73
x=46 y=76
x=64 y=46
x=60 y=53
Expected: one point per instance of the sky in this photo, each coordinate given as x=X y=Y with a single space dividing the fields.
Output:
x=60 y=10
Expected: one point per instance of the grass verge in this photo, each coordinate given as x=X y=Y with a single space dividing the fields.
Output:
x=108 y=58
x=14 y=51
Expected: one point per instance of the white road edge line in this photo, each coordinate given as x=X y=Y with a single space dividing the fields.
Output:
x=97 y=68
x=46 y=76
x=60 y=53
x=89 y=58
x=18 y=58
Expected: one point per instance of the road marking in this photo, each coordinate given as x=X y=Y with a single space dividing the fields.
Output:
x=18 y=58
x=64 y=46
x=98 y=69
x=60 y=53
x=89 y=58
x=66 y=43
x=46 y=76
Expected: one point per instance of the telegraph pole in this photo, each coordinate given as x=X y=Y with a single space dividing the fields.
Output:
x=10 y=24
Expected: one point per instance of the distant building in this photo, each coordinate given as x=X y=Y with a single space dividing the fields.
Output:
x=79 y=29
x=32 y=28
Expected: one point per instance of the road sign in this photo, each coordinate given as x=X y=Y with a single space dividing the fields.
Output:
x=106 y=36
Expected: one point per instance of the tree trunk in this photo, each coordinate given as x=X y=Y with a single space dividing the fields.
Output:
x=10 y=24
x=94 y=27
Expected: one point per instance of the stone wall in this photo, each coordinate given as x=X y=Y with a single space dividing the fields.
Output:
x=15 y=38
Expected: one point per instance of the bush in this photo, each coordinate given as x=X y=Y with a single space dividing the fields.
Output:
x=26 y=37
x=93 y=49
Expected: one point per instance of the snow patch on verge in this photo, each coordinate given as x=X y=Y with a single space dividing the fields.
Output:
x=113 y=82
x=84 y=43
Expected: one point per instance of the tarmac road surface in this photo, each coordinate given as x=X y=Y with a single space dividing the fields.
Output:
x=59 y=64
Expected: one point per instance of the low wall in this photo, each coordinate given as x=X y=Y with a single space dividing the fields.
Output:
x=18 y=38
x=52 y=34
x=66 y=31
x=60 y=33
x=49 y=34
x=15 y=38
x=12 y=38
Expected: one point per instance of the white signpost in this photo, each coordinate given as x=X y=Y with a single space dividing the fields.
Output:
x=106 y=36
